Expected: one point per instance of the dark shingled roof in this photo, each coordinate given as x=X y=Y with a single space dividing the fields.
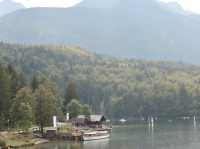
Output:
x=96 y=118
x=92 y=118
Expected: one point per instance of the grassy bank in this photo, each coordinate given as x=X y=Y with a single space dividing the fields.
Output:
x=16 y=140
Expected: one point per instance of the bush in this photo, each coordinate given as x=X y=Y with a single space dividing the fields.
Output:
x=2 y=143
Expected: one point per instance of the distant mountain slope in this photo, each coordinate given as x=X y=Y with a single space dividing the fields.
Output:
x=8 y=6
x=137 y=29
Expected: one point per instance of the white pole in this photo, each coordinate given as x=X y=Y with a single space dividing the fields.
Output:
x=149 y=121
x=194 y=121
x=152 y=122
x=54 y=122
x=67 y=116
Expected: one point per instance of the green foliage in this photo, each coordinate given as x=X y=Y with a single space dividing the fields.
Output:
x=70 y=94
x=34 y=83
x=74 y=108
x=2 y=143
x=17 y=80
x=25 y=95
x=85 y=110
x=20 y=106
x=46 y=105
x=22 y=109
x=25 y=119
x=5 y=95
x=116 y=87
x=10 y=83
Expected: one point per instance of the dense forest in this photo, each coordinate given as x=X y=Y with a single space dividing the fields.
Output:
x=112 y=86
x=24 y=104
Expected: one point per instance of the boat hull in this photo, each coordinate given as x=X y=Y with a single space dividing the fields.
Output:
x=90 y=138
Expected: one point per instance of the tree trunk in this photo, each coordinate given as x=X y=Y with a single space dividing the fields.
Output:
x=42 y=128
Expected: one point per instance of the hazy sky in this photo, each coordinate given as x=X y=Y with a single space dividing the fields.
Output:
x=48 y=3
x=192 y=5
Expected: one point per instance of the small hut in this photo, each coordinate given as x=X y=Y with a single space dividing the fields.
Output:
x=50 y=132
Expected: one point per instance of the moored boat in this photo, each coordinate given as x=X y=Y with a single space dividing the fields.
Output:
x=95 y=135
x=122 y=120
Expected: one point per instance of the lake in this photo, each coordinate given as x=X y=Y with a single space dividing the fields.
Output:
x=163 y=136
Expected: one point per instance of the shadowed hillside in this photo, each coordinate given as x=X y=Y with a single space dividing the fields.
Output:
x=135 y=29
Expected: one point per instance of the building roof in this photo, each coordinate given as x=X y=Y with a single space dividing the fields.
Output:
x=96 y=118
x=81 y=117
x=92 y=118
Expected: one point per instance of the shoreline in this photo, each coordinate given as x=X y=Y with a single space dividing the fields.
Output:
x=42 y=141
x=14 y=140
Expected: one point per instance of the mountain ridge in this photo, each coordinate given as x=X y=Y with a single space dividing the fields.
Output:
x=137 y=29
x=8 y=6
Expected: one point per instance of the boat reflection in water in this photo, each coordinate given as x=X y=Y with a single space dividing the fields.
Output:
x=63 y=145
x=96 y=144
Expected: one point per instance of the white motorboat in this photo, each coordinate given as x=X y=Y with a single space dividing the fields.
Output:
x=122 y=120
x=95 y=135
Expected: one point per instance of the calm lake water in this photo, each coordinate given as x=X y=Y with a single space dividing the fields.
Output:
x=162 y=136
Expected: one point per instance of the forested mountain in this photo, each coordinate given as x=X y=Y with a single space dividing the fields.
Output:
x=116 y=87
x=143 y=29
x=8 y=6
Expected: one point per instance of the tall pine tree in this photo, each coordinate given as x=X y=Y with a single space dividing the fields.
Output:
x=5 y=95
x=34 y=83
x=46 y=105
x=70 y=94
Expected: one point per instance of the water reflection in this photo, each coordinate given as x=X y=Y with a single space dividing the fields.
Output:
x=194 y=122
x=62 y=145
x=98 y=144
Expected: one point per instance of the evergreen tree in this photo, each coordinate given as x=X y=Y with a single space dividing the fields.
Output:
x=5 y=95
x=17 y=80
x=46 y=105
x=23 y=116
x=23 y=108
x=74 y=108
x=85 y=110
x=70 y=94
x=185 y=102
x=34 y=83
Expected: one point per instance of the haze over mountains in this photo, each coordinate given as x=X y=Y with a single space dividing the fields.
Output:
x=145 y=29
x=8 y=6
x=98 y=3
x=175 y=8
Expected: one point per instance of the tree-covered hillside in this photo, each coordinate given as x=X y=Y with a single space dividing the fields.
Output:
x=115 y=87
